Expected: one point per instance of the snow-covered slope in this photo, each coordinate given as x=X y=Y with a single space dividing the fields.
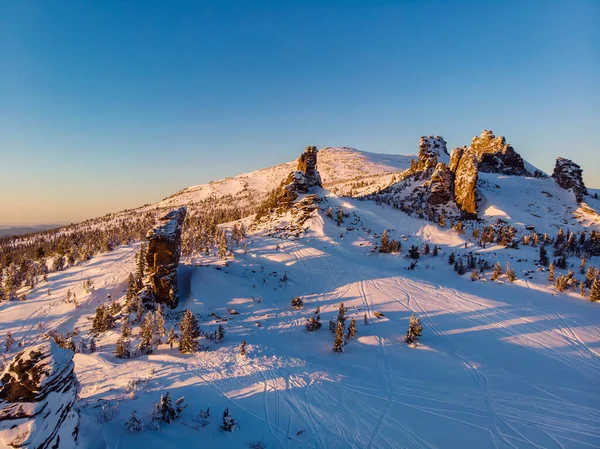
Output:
x=499 y=365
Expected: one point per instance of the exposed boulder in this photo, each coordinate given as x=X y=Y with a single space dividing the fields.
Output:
x=568 y=175
x=164 y=250
x=494 y=155
x=463 y=164
x=430 y=150
x=307 y=175
x=440 y=186
x=37 y=394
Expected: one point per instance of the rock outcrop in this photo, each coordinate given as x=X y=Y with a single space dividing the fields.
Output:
x=568 y=175
x=37 y=394
x=430 y=150
x=307 y=175
x=441 y=185
x=494 y=155
x=164 y=250
x=463 y=163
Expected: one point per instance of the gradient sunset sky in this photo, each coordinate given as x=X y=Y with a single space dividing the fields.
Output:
x=106 y=105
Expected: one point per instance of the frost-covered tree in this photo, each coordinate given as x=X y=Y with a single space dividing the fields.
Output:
x=146 y=345
x=510 y=273
x=414 y=253
x=414 y=330
x=351 y=329
x=243 y=348
x=165 y=412
x=551 y=272
x=189 y=333
x=223 y=247
x=133 y=424
x=582 y=265
x=338 y=344
x=314 y=322
x=229 y=424
x=126 y=328
x=103 y=320
x=9 y=342
x=543 y=256
x=595 y=290
x=140 y=266
x=385 y=242
x=123 y=349
x=475 y=275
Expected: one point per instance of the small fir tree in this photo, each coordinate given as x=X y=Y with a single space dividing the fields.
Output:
x=123 y=349
x=351 y=330
x=543 y=256
x=414 y=330
x=497 y=271
x=229 y=423
x=146 y=345
x=595 y=290
x=243 y=348
x=551 y=272
x=190 y=333
x=385 y=242
x=338 y=344
x=133 y=424
x=510 y=273
x=171 y=338
x=413 y=253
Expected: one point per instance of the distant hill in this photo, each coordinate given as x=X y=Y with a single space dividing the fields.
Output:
x=20 y=230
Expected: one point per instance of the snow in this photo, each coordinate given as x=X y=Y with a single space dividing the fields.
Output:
x=498 y=365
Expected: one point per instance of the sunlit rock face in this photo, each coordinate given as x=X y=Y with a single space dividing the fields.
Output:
x=494 y=155
x=463 y=164
x=568 y=175
x=307 y=175
x=37 y=394
x=441 y=185
x=164 y=250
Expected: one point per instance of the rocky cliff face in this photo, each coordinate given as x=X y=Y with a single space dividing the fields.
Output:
x=441 y=185
x=307 y=175
x=568 y=175
x=463 y=163
x=37 y=394
x=164 y=250
x=430 y=150
x=494 y=155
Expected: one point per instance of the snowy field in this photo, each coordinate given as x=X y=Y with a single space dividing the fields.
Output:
x=499 y=365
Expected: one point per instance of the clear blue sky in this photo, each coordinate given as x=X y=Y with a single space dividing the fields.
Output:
x=106 y=105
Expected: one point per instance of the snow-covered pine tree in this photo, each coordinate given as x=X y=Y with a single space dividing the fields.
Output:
x=510 y=273
x=436 y=251
x=414 y=253
x=475 y=275
x=146 y=345
x=582 y=265
x=595 y=290
x=543 y=256
x=133 y=424
x=92 y=345
x=229 y=424
x=414 y=330
x=351 y=329
x=189 y=333
x=582 y=289
x=223 y=248
x=332 y=325
x=126 y=328
x=365 y=319
x=385 y=242
x=342 y=313
x=340 y=216
x=338 y=344
x=131 y=294
x=123 y=349
x=551 y=272
x=220 y=334
x=164 y=412
x=9 y=341
x=159 y=323
x=497 y=271
x=243 y=348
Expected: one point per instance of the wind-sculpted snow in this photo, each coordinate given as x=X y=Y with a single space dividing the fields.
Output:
x=499 y=364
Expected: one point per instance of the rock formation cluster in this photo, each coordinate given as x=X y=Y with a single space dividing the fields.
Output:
x=494 y=155
x=568 y=175
x=430 y=150
x=164 y=250
x=463 y=165
x=307 y=175
x=37 y=394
